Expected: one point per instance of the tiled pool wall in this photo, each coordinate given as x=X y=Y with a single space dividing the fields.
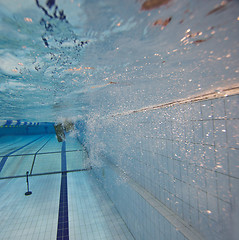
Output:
x=185 y=156
x=10 y=127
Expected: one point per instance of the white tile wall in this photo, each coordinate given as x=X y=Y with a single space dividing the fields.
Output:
x=185 y=156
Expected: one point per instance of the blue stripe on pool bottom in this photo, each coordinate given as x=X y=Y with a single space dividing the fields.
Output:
x=4 y=159
x=63 y=224
x=63 y=156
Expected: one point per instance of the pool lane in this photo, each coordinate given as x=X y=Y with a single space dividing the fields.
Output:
x=76 y=160
x=35 y=155
x=42 y=155
x=48 y=158
x=73 y=143
x=62 y=206
x=19 y=145
x=34 y=147
x=52 y=146
x=5 y=158
x=92 y=215
x=6 y=141
x=29 y=217
x=15 y=165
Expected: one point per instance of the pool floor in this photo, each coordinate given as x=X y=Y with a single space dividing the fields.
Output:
x=63 y=205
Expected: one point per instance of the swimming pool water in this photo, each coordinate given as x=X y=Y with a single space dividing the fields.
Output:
x=152 y=89
x=90 y=214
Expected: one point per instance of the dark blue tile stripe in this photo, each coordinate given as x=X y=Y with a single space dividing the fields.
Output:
x=63 y=224
x=63 y=156
x=2 y=163
x=4 y=159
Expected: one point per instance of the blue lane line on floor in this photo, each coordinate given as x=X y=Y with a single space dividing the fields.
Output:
x=63 y=224
x=63 y=156
x=4 y=159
